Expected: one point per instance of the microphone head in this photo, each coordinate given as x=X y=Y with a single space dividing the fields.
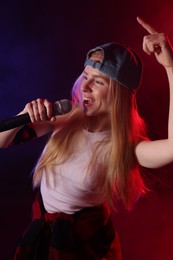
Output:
x=62 y=107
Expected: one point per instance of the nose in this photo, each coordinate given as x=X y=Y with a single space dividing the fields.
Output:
x=86 y=86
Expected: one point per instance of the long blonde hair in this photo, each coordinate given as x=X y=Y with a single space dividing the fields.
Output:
x=122 y=179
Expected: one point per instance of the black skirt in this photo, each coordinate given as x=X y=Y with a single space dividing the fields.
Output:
x=86 y=235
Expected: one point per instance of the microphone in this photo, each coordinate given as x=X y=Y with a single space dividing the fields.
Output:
x=59 y=108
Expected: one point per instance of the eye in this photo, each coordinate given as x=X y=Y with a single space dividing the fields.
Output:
x=85 y=77
x=98 y=82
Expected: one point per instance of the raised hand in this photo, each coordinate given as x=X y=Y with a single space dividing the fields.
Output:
x=157 y=43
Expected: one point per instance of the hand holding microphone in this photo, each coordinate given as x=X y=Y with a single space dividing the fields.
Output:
x=37 y=111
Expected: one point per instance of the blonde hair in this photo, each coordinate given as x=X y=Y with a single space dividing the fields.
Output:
x=120 y=175
x=127 y=129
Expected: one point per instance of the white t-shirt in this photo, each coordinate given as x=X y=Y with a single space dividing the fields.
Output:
x=70 y=188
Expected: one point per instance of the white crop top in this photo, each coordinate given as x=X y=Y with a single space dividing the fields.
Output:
x=69 y=189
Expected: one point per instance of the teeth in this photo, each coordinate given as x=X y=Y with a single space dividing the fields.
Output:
x=89 y=99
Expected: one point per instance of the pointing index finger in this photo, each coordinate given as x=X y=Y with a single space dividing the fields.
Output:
x=146 y=26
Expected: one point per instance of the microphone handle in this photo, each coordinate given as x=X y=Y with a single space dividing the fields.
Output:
x=59 y=108
x=14 y=122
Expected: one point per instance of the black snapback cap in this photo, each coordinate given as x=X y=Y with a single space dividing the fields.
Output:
x=119 y=62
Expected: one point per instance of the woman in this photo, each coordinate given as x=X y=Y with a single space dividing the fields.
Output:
x=92 y=157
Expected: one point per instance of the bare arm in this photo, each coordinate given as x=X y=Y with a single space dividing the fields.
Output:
x=42 y=121
x=160 y=152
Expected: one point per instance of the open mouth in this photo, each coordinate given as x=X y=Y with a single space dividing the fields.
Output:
x=88 y=101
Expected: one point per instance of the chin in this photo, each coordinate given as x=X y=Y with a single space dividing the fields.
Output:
x=89 y=113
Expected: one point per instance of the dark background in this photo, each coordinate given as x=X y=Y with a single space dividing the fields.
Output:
x=42 y=49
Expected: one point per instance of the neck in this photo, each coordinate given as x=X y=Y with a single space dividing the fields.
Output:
x=96 y=124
